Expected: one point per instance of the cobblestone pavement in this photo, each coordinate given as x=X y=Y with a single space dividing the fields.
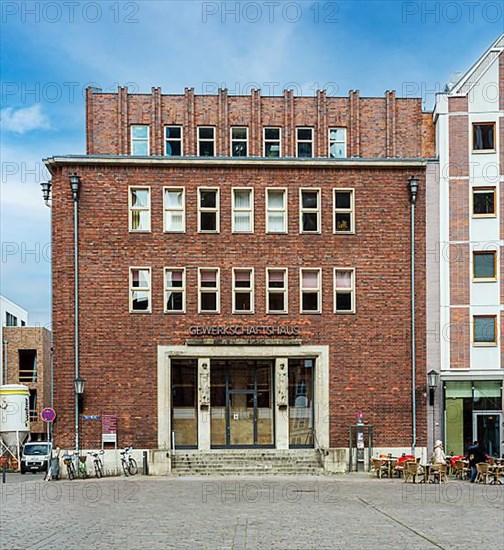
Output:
x=255 y=512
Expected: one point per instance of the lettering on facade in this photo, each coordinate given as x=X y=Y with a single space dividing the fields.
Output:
x=238 y=330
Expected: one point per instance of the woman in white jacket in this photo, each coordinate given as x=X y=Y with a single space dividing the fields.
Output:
x=438 y=456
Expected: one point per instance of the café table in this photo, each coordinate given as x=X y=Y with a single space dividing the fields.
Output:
x=390 y=463
x=496 y=471
x=426 y=468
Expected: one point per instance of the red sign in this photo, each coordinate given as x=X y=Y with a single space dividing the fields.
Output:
x=48 y=414
x=109 y=424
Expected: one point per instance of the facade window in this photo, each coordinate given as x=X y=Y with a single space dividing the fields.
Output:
x=140 y=289
x=140 y=209
x=173 y=141
x=140 y=140
x=277 y=291
x=272 y=142
x=243 y=290
x=343 y=211
x=485 y=266
x=309 y=211
x=23 y=324
x=174 y=209
x=208 y=210
x=10 y=320
x=276 y=211
x=483 y=201
x=485 y=330
x=206 y=141
x=337 y=143
x=344 y=290
x=484 y=136
x=174 y=290
x=208 y=291
x=27 y=365
x=311 y=290
x=243 y=219
x=304 y=142
x=239 y=142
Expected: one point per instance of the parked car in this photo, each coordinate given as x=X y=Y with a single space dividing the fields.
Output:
x=36 y=457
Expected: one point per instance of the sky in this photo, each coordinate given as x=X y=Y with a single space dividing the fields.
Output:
x=51 y=51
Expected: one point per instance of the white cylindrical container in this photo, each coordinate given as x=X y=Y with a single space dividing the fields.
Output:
x=14 y=415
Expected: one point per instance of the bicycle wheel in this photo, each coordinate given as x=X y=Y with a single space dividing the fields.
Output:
x=70 y=471
x=124 y=467
x=98 y=469
x=83 y=471
x=132 y=466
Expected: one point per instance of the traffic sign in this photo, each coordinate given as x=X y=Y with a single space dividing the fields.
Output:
x=48 y=414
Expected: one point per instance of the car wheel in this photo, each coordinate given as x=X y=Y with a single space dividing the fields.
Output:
x=23 y=471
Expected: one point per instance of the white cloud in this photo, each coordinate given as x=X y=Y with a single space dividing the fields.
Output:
x=23 y=120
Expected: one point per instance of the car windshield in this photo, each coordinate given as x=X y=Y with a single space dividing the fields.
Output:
x=36 y=450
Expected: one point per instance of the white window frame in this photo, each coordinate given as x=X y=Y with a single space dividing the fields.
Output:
x=285 y=291
x=181 y=139
x=208 y=290
x=141 y=289
x=207 y=209
x=317 y=210
x=182 y=209
x=233 y=140
x=279 y=128
x=285 y=210
x=243 y=290
x=147 y=139
x=350 y=211
x=199 y=140
x=312 y=140
x=132 y=208
x=181 y=289
x=234 y=209
x=352 y=291
x=318 y=290
x=329 y=141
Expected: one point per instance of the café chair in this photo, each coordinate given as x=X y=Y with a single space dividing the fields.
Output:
x=411 y=472
x=439 y=472
x=482 y=472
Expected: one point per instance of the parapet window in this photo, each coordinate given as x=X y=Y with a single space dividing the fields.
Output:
x=140 y=289
x=343 y=211
x=272 y=142
x=174 y=290
x=173 y=141
x=337 y=143
x=484 y=136
x=27 y=365
x=243 y=290
x=206 y=141
x=310 y=290
x=483 y=202
x=174 y=209
x=309 y=211
x=243 y=219
x=209 y=290
x=208 y=206
x=277 y=290
x=304 y=142
x=485 y=330
x=344 y=290
x=139 y=206
x=140 y=140
x=239 y=142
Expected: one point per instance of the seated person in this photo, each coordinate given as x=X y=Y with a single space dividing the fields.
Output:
x=438 y=456
x=475 y=455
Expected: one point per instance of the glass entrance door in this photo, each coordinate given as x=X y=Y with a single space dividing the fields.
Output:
x=487 y=431
x=242 y=418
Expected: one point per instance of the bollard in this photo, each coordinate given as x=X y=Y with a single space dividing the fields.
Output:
x=4 y=473
x=145 y=464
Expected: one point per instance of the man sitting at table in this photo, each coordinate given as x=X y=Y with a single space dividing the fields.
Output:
x=475 y=455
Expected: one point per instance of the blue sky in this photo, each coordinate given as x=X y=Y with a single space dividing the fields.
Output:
x=50 y=52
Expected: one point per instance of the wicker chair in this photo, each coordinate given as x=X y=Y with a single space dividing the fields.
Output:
x=378 y=468
x=461 y=470
x=411 y=472
x=483 y=471
x=439 y=472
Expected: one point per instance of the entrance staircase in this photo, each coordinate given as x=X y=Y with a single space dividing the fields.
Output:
x=246 y=462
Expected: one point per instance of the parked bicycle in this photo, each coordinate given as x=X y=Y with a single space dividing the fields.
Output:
x=82 y=472
x=68 y=461
x=97 y=463
x=128 y=463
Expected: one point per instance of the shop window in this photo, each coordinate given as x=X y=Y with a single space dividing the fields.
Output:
x=140 y=140
x=484 y=136
x=206 y=141
x=140 y=289
x=272 y=142
x=27 y=365
x=301 y=377
x=140 y=209
x=173 y=141
x=239 y=142
x=184 y=401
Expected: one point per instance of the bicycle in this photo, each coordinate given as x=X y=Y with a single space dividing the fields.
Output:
x=82 y=471
x=68 y=461
x=128 y=463
x=98 y=464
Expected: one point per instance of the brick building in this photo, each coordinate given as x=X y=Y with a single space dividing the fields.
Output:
x=244 y=271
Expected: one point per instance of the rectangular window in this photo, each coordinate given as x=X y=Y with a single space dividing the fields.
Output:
x=344 y=290
x=206 y=141
x=140 y=289
x=310 y=290
x=174 y=290
x=485 y=266
x=139 y=205
x=174 y=209
x=10 y=320
x=276 y=211
x=140 y=140
x=343 y=211
x=483 y=202
x=485 y=330
x=272 y=142
x=277 y=290
x=208 y=291
x=208 y=207
x=309 y=210
x=243 y=219
x=239 y=142
x=173 y=141
x=337 y=143
x=484 y=136
x=27 y=365
x=243 y=290
x=304 y=142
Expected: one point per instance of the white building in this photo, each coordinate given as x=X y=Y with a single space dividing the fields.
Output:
x=11 y=315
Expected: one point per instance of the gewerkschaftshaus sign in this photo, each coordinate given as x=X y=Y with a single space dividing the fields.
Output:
x=240 y=330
